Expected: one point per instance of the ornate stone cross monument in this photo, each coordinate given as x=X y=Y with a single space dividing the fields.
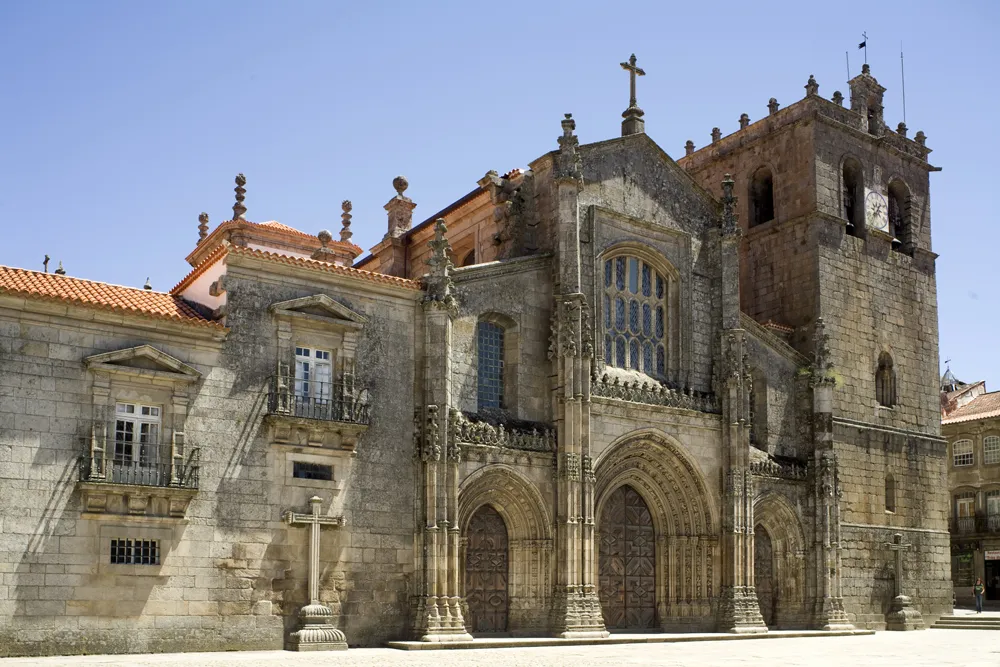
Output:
x=317 y=632
x=633 y=123
x=903 y=615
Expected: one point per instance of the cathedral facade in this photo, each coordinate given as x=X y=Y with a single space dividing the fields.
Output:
x=610 y=391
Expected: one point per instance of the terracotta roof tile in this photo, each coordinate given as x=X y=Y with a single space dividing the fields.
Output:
x=129 y=300
x=326 y=266
x=983 y=406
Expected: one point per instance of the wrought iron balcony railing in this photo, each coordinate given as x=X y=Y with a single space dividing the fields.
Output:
x=340 y=401
x=141 y=464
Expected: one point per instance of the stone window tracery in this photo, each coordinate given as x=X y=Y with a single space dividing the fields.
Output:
x=635 y=316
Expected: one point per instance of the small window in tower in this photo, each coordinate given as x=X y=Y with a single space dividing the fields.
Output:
x=899 y=217
x=853 y=197
x=890 y=493
x=761 y=197
x=885 y=381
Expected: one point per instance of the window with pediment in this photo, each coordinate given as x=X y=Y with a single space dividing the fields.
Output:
x=636 y=313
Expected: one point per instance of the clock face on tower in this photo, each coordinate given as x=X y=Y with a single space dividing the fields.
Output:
x=876 y=212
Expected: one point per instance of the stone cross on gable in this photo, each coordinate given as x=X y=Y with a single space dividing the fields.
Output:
x=633 y=72
x=317 y=631
x=897 y=545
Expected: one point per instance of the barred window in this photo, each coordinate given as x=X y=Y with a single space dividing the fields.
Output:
x=135 y=552
x=303 y=470
x=489 y=341
x=962 y=454
x=991 y=449
x=635 y=313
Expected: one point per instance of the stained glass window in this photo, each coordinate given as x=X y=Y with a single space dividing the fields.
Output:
x=490 y=350
x=635 y=307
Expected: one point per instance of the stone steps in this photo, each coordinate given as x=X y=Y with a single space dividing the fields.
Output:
x=970 y=622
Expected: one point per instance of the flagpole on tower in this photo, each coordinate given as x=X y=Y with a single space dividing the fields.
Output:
x=902 y=76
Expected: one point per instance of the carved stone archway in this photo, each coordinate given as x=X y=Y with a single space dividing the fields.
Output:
x=684 y=517
x=519 y=503
x=785 y=602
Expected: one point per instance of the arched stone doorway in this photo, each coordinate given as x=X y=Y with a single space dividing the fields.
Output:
x=779 y=563
x=683 y=531
x=627 y=561
x=763 y=574
x=486 y=572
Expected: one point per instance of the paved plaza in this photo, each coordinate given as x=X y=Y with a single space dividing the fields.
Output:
x=937 y=648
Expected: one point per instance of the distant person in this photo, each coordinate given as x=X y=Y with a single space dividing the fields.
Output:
x=978 y=589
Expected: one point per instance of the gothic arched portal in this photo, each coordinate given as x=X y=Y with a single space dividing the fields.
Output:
x=486 y=571
x=763 y=574
x=627 y=561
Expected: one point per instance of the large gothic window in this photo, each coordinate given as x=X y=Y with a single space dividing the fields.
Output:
x=635 y=316
x=490 y=349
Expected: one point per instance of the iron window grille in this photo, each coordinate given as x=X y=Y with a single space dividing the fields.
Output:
x=489 y=348
x=135 y=552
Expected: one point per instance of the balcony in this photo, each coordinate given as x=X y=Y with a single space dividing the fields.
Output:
x=326 y=415
x=972 y=525
x=119 y=476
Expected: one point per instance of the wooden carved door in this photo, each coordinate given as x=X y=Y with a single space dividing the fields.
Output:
x=627 y=561
x=486 y=572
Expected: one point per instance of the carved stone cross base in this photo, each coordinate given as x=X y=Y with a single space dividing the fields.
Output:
x=317 y=632
x=439 y=619
x=903 y=615
x=739 y=611
x=578 y=614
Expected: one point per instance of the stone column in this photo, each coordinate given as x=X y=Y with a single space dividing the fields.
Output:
x=739 y=610
x=438 y=609
x=577 y=611
x=829 y=607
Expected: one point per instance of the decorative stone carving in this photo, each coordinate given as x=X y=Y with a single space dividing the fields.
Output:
x=772 y=106
x=654 y=393
x=633 y=122
x=838 y=98
x=812 y=88
x=822 y=370
x=438 y=283
x=345 y=221
x=770 y=467
x=568 y=163
x=744 y=121
x=729 y=215
x=202 y=227
x=463 y=430
x=431 y=437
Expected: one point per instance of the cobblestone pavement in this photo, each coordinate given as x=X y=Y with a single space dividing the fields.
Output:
x=937 y=648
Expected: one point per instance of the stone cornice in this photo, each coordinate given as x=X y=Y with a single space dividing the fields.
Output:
x=501 y=267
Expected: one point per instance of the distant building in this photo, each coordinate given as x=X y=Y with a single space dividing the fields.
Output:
x=970 y=420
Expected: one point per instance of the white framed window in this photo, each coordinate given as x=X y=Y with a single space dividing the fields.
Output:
x=136 y=458
x=313 y=374
x=635 y=316
x=991 y=449
x=962 y=453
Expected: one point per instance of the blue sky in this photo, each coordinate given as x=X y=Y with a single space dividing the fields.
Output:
x=122 y=121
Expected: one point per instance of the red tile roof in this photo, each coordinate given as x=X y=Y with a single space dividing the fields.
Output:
x=984 y=406
x=325 y=266
x=128 y=300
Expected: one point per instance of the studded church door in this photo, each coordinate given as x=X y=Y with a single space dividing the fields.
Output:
x=486 y=572
x=627 y=561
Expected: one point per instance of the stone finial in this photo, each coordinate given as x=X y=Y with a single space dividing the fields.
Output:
x=324 y=253
x=772 y=106
x=345 y=221
x=569 y=164
x=716 y=134
x=202 y=227
x=688 y=147
x=400 y=209
x=744 y=121
x=437 y=282
x=239 y=210
x=865 y=69
x=838 y=98
x=633 y=122
x=324 y=237
x=901 y=129
x=920 y=138
x=148 y=286
x=729 y=216
x=812 y=88
x=60 y=271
